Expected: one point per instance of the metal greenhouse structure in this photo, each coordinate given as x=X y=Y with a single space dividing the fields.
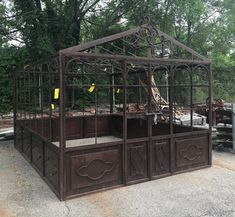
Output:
x=113 y=112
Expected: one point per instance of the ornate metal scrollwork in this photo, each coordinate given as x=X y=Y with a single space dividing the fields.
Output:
x=137 y=161
x=191 y=152
x=160 y=155
x=95 y=169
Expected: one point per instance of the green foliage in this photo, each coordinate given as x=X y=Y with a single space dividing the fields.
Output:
x=224 y=79
x=10 y=59
x=205 y=26
x=46 y=26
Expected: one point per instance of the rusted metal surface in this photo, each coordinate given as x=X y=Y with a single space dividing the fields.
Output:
x=233 y=123
x=20 y=181
x=189 y=151
x=131 y=86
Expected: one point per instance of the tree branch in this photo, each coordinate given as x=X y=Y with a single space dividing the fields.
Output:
x=89 y=7
x=38 y=5
x=84 y=4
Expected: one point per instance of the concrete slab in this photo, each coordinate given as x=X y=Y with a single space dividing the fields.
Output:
x=205 y=193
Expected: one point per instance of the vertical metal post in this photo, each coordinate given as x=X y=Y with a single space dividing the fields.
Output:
x=30 y=99
x=14 y=109
x=73 y=96
x=233 y=122
x=41 y=99
x=112 y=92
x=50 y=109
x=34 y=100
x=124 y=149
x=96 y=103
x=140 y=91
x=150 y=118
x=24 y=88
x=40 y=88
x=167 y=85
x=191 y=97
x=171 y=113
x=62 y=124
x=210 y=114
x=137 y=80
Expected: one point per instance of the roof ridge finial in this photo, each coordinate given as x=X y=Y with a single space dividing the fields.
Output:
x=146 y=20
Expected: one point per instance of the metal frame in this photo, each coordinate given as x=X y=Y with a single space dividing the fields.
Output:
x=145 y=48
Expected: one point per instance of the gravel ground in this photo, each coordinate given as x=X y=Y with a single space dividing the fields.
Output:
x=204 y=193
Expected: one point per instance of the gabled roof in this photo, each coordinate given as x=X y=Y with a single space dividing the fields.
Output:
x=137 y=42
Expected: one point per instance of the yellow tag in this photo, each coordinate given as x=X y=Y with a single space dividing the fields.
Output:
x=146 y=31
x=91 y=88
x=52 y=106
x=118 y=90
x=56 y=93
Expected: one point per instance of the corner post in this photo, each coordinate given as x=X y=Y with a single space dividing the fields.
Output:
x=14 y=105
x=233 y=123
x=171 y=119
x=150 y=119
x=62 y=128
x=124 y=155
x=210 y=114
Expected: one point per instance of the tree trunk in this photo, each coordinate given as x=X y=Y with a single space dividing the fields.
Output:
x=38 y=5
x=77 y=30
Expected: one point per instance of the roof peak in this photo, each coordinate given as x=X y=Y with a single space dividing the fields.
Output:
x=146 y=41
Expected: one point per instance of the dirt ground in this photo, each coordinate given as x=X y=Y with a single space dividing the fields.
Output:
x=208 y=192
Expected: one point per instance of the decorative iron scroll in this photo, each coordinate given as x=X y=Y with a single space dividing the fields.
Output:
x=161 y=158
x=90 y=169
x=137 y=161
x=27 y=147
x=191 y=152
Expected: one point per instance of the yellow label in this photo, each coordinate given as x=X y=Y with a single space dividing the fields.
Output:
x=91 y=88
x=118 y=90
x=52 y=106
x=56 y=93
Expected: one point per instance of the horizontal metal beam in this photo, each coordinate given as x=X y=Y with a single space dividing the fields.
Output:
x=110 y=38
x=139 y=60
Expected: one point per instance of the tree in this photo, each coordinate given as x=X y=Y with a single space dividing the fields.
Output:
x=11 y=58
x=43 y=27
x=108 y=19
x=206 y=26
x=50 y=25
